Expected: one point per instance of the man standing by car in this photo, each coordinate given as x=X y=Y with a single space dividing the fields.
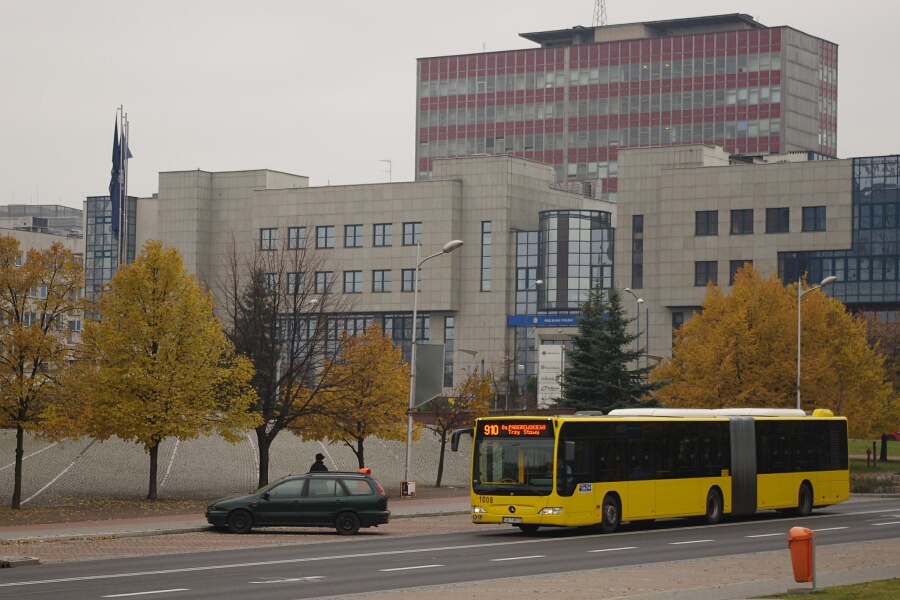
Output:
x=318 y=465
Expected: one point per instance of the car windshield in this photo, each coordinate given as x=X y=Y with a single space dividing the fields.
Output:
x=514 y=467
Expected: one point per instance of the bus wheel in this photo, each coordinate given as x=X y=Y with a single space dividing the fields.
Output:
x=528 y=528
x=713 y=507
x=611 y=514
x=805 y=500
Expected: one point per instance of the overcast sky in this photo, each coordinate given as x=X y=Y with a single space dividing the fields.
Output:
x=322 y=88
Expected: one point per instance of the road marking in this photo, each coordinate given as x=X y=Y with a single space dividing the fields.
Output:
x=830 y=529
x=690 y=542
x=888 y=523
x=74 y=462
x=287 y=561
x=763 y=535
x=409 y=568
x=12 y=464
x=615 y=549
x=146 y=593
x=518 y=558
x=290 y=579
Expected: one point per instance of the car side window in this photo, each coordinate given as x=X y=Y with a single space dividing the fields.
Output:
x=358 y=487
x=293 y=488
x=321 y=487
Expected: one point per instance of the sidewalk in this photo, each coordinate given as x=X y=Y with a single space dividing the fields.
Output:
x=400 y=508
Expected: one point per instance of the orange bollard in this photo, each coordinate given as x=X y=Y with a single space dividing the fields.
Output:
x=803 y=554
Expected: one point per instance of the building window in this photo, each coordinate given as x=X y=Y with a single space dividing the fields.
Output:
x=637 y=251
x=268 y=239
x=325 y=236
x=271 y=283
x=323 y=281
x=353 y=236
x=296 y=238
x=704 y=271
x=707 y=222
x=735 y=266
x=637 y=276
x=381 y=281
x=412 y=234
x=296 y=283
x=382 y=234
x=407 y=284
x=677 y=322
x=742 y=221
x=813 y=218
x=449 y=338
x=352 y=282
x=778 y=220
x=485 y=256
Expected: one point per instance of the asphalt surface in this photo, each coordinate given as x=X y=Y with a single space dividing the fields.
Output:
x=211 y=468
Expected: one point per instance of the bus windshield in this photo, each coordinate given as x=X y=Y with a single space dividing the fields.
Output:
x=513 y=466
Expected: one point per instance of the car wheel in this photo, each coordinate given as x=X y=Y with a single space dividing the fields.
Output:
x=804 y=501
x=528 y=528
x=347 y=523
x=713 y=507
x=240 y=521
x=611 y=514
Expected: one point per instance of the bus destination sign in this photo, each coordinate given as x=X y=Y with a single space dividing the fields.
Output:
x=517 y=429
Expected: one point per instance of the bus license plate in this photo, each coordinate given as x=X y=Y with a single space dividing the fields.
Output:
x=512 y=519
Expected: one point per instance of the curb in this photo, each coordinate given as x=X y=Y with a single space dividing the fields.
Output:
x=9 y=562
x=175 y=531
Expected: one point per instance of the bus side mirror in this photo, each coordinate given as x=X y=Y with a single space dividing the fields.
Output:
x=457 y=433
x=570 y=451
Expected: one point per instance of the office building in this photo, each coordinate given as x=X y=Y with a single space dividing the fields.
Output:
x=588 y=92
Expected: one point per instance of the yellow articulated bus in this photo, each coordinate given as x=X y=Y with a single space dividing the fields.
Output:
x=644 y=464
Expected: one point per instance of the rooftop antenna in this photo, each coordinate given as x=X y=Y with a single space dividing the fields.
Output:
x=390 y=174
x=599 y=13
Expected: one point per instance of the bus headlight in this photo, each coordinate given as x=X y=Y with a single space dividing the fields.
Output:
x=478 y=509
x=551 y=510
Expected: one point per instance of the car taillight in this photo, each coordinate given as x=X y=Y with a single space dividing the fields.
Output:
x=381 y=490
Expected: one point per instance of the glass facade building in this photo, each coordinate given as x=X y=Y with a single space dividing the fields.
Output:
x=586 y=92
x=571 y=251
x=101 y=248
x=867 y=274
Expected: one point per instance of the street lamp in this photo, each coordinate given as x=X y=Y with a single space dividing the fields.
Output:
x=800 y=292
x=448 y=248
x=637 y=338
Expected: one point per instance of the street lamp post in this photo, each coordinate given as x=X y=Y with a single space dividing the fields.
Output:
x=534 y=286
x=448 y=248
x=800 y=292
x=637 y=337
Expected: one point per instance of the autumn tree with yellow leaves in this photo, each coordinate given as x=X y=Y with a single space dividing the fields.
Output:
x=157 y=363
x=471 y=399
x=364 y=393
x=40 y=295
x=741 y=351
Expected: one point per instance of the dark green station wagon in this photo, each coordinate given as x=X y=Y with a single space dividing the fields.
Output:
x=343 y=500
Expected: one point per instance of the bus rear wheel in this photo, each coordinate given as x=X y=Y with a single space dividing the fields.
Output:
x=804 y=500
x=713 y=507
x=611 y=514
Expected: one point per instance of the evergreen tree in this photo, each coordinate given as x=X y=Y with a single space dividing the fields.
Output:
x=600 y=377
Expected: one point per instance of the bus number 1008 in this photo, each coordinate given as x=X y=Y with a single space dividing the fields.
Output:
x=485 y=499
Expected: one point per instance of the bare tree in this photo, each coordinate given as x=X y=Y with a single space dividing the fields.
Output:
x=282 y=310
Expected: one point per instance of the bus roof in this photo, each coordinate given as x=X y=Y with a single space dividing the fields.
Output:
x=706 y=412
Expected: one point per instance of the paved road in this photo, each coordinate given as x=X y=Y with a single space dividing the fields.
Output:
x=761 y=572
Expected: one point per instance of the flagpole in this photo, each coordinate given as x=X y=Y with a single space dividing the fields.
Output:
x=123 y=208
